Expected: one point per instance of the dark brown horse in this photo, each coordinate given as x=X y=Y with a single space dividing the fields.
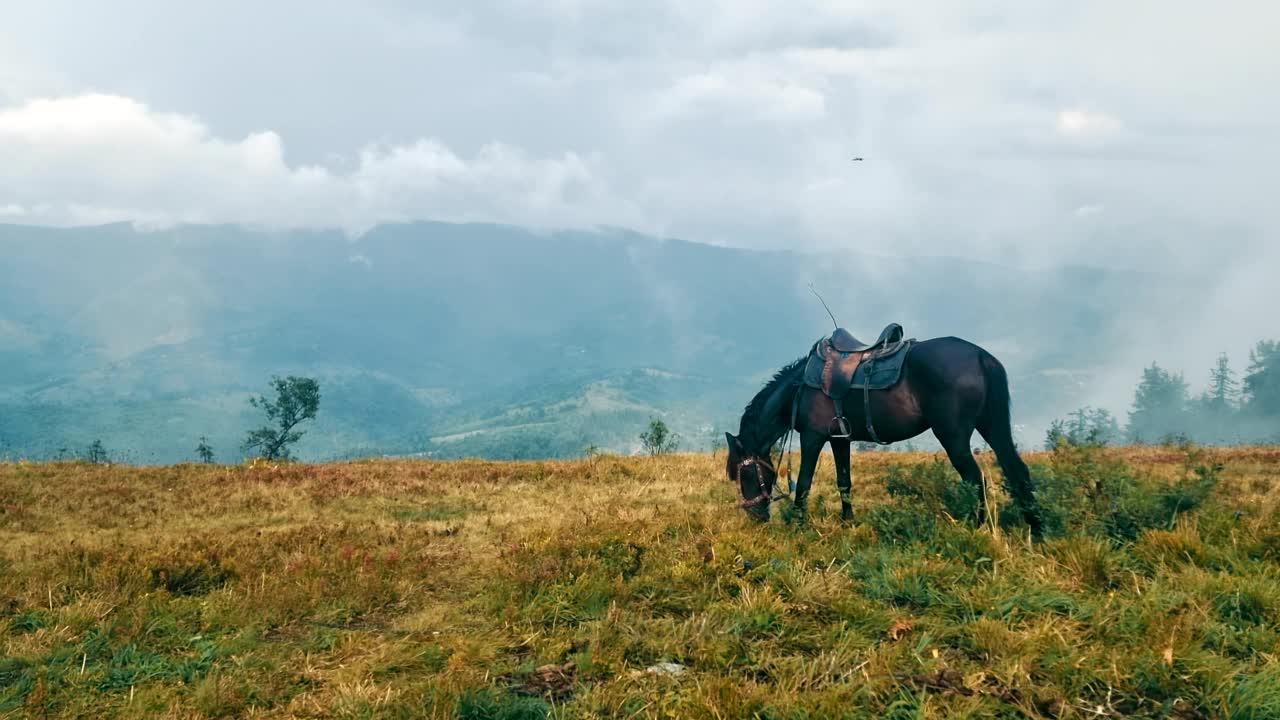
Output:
x=948 y=385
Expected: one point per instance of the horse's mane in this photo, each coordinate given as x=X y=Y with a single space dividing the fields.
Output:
x=751 y=415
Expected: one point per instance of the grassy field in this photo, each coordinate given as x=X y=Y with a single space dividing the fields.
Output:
x=634 y=587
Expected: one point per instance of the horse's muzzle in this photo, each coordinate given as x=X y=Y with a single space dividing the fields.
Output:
x=757 y=508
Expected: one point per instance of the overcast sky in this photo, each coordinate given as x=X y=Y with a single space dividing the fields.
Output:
x=1137 y=134
x=1021 y=129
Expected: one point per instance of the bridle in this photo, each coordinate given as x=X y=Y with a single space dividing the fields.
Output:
x=767 y=462
x=763 y=495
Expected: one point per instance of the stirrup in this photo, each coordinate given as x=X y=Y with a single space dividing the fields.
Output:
x=842 y=426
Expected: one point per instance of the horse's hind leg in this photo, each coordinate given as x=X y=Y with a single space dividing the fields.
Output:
x=844 y=481
x=956 y=442
x=997 y=428
x=1017 y=477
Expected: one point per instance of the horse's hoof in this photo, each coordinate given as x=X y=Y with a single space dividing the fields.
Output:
x=795 y=516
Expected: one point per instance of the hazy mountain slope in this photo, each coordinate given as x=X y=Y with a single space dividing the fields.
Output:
x=151 y=339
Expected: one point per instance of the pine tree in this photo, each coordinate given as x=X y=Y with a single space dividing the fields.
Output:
x=204 y=452
x=1103 y=428
x=1223 y=387
x=1159 y=406
x=1262 y=382
x=1086 y=426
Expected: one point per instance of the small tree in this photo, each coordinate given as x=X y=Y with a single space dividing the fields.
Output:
x=97 y=453
x=297 y=399
x=1056 y=433
x=204 y=452
x=1085 y=426
x=658 y=439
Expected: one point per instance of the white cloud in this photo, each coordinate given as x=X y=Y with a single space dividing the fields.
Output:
x=1087 y=124
x=99 y=158
x=739 y=91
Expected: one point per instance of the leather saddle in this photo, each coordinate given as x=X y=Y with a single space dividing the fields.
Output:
x=842 y=353
x=834 y=362
x=843 y=341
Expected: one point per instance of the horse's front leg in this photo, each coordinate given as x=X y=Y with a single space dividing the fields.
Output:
x=810 y=447
x=844 y=481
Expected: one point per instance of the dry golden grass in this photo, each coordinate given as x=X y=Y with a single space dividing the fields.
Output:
x=532 y=589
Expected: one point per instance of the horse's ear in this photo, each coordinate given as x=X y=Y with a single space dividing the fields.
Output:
x=734 y=445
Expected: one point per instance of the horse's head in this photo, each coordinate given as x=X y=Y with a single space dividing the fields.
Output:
x=754 y=475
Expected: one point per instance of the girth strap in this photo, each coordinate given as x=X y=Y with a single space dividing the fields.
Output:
x=866 y=410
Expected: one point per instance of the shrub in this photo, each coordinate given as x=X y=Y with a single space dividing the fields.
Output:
x=1082 y=489
x=897 y=524
x=934 y=487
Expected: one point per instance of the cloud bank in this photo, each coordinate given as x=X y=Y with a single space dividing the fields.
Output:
x=103 y=158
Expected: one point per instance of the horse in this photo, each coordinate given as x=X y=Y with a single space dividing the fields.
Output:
x=947 y=385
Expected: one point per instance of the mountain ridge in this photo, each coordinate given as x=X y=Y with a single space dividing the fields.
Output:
x=180 y=325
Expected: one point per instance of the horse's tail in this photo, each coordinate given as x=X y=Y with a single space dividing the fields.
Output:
x=996 y=425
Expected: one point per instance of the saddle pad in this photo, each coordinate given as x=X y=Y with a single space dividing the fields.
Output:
x=877 y=371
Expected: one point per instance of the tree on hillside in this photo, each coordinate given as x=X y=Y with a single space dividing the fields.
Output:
x=1085 y=426
x=1223 y=387
x=1262 y=382
x=204 y=452
x=1159 y=406
x=658 y=438
x=297 y=400
x=97 y=453
x=1214 y=413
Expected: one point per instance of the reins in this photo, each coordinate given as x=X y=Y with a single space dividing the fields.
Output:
x=784 y=450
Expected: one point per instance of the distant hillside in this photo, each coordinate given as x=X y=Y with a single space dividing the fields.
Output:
x=478 y=339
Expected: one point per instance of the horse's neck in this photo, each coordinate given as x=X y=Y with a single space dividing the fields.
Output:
x=771 y=425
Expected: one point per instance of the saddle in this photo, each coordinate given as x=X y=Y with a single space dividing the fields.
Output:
x=842 y=353
x=842 y=340
x=835 y=361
